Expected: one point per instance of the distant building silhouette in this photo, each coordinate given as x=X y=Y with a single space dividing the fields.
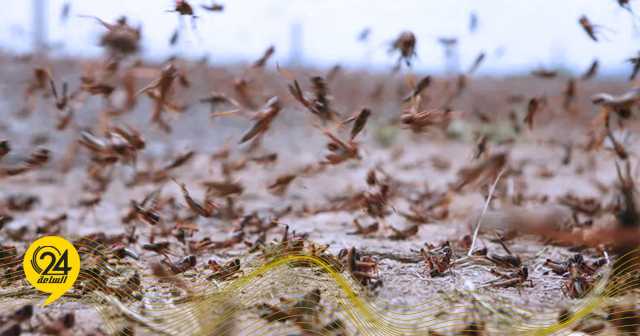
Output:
x=39 y=25
x=295 y=46
x=451 y=55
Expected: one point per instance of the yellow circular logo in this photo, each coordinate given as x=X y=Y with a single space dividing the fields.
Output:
x=51 y=264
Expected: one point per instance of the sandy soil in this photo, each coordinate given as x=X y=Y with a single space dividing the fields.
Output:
x=414 y=163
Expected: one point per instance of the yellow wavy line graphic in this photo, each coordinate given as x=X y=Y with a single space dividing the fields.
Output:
x=204 y=313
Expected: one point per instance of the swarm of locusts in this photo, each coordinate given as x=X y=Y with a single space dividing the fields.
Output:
x=175 y=176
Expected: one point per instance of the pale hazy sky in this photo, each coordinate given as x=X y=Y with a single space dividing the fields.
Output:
x=516 y=34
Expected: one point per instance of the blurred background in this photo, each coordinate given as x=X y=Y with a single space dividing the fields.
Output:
x=517 y=36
